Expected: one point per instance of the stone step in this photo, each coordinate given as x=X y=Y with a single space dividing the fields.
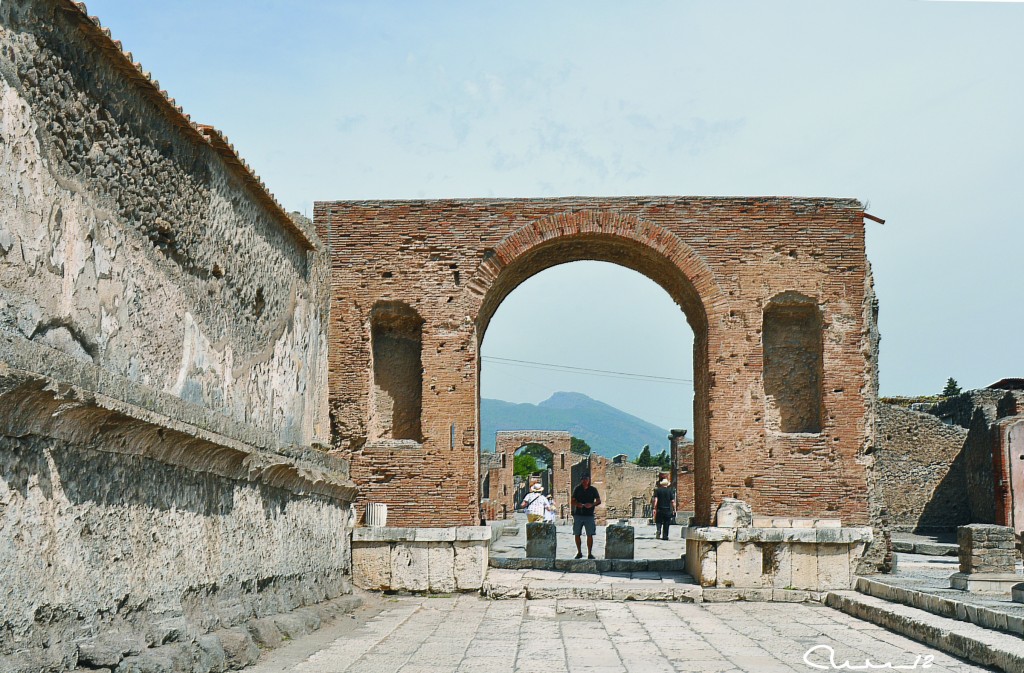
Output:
x=588 y=566
x=968 y=641
x=943 y=606
x=925 y=548
x=683 y=591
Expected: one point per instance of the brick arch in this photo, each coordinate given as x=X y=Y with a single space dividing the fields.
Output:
x=634 y=243
x=721 y=259
x=508 y=442
x=599 y=236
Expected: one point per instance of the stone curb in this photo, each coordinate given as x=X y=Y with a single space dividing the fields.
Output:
x=964 y=640
x=925 y=548
x=643 y=591
x=943 y=606
x=587 y=566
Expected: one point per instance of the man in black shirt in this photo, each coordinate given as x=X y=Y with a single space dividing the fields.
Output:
x=584 y=499
x=664 y=508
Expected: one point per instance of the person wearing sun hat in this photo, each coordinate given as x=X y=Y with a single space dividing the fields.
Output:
x=664 y=508
x=535 y=504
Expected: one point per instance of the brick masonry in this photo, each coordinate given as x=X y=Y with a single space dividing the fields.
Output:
x=722 y=259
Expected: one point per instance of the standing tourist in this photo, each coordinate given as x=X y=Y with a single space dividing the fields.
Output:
x=664 y=508
x=584 y=499
x=535 y=504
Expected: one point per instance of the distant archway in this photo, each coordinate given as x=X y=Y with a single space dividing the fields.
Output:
x=501 y=502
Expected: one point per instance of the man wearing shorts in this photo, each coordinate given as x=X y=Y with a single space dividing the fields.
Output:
x=584 y=499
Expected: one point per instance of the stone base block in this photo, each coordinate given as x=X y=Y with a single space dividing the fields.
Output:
x=541 y=540
x=1017 y=593
x=1000 y=583
x=434 y=560
x=618 y=542
x=805 y=559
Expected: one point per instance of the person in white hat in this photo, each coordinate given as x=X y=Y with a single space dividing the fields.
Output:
x=664 y=508
x=535 y=504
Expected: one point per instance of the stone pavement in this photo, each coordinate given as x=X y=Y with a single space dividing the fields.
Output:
x=468 y=634
x=646 y=546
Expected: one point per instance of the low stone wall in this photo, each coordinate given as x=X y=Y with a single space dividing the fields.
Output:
x=802 y=554
x=433 y=560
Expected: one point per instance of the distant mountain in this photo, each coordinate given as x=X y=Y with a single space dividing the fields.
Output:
x=608 y=430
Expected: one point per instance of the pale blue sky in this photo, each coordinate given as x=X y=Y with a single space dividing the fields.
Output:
x=912 y=106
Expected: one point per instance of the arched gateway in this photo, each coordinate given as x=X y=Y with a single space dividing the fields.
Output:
x=777 y=291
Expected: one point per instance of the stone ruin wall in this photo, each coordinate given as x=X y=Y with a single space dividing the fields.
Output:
x=622 y=483
x=985 y=457
x=731 y=264
x=919 y=465
x=131 y=244
x=162 y=369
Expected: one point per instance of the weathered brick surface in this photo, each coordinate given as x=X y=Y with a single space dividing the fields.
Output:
x=682 y=467
x=722 y=259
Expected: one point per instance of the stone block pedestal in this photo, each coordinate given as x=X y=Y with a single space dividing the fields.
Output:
x=806 y=558
x=987 y=559
x=541 y=540
x=1017 y=593
x=618 y=541
x=432 y=560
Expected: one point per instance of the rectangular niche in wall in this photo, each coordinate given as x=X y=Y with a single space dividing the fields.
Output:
x=396 y=397
x=793 y=363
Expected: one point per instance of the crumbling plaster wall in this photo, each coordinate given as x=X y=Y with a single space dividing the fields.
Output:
x=162 y=368
x=129 y=242
x=96 y=545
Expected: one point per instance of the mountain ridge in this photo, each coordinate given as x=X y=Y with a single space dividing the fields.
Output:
x=609 y=431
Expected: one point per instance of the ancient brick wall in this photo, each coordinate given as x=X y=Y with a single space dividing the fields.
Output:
x=723 y=260
x=1008 y=461
x=681 y=450
x=920 y=469
x=162 y=369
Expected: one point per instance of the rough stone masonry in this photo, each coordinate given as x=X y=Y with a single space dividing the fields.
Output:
x=162 y=374
x=777 y=291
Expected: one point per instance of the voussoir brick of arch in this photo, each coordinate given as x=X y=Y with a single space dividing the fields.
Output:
x=626 y=228
x=646 y=234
